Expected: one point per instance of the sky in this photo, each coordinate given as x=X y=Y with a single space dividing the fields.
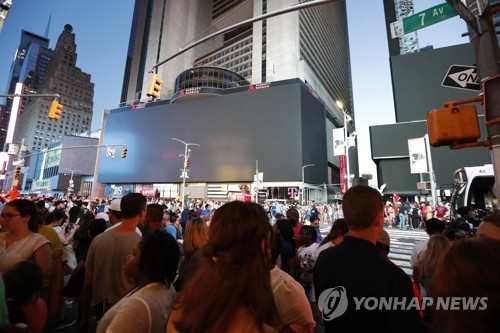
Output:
x=102 y=31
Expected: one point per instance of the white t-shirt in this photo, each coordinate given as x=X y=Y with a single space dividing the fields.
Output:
x=20 y=250
x=117 y=224
x=417 y=252
x=145 y=310
x=291 y=301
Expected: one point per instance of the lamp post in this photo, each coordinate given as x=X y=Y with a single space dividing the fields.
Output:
x=71 y=179
x=346 y=135
x=302 y=184
x=186 y=154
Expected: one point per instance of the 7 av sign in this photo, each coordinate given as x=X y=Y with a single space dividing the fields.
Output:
x=462 y=77
x=422 y=19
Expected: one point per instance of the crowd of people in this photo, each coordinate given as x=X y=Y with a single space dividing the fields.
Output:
x=133 y=265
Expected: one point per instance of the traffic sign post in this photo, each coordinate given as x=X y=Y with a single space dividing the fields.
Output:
x=461 y=9
x=422 y=19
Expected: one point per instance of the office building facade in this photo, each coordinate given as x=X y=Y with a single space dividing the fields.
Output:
x=310 y=45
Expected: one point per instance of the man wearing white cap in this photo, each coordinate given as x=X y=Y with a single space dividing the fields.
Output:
x=116 y=217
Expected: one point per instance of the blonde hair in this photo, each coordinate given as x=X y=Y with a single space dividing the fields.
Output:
x=437 y=247
x=195 y=237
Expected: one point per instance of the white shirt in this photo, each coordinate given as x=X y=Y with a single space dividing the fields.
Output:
x=417 y=252
x=117 y=224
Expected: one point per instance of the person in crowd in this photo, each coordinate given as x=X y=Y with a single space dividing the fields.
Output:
x=490 y=227
x=291 y=301
x=20 y=241
x=355 y=267
x=153 y=220
x=454 y=234
x=305 y=256
x=283 y=229
x=433 y=226
x=390 y=215
x=116 y=216
x=170 y=226
x=336 y=236
x=53 y=285
x=432 y=258
x=152 y=264
x=195 y=238
x=105 y=282
x=470 y=271
x=207 y=211
x=231 y=291
x=441 y=211
x=293 y=216
x=184 y=216
x=22 y=285
x=315 y=220
x=415 y=216
x=402 y=216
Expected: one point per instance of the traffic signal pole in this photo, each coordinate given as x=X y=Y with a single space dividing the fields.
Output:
x=487 y=52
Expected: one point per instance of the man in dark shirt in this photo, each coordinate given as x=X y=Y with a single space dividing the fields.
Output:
x=357 y=283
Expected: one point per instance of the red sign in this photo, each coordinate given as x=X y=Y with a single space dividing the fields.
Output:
x=149 y=192
x=343 y=174
x=240 y=197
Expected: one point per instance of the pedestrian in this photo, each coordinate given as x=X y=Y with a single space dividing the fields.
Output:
x=490 y=227
x=231 y=290
x=105 y=281
x=353 y=270
x=152 y=264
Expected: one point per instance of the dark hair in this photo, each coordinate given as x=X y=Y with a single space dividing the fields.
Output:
x=339 y=228
x=173 y=217
x=471 y=270
x=311 y=231
x=132 y=204
x=276 y=247
x=159 y=257
x=27 y=207
x=238 y=271
x=22 y=281
x=154 y=212
x=97 y=227
x=285 y=229
x=454 y=234
x=434 y=226
x=56 y=215
x=293 y=214
x=361 y=205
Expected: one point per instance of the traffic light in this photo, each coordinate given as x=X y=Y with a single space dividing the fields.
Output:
x=456 y=124
x=186 y=163
x=17 y=172
x=124 y=152
x=154 y=86
x=55 y=110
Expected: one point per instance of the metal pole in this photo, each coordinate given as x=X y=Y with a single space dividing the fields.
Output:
x=302 y=184
x=186 y=157
x=346 y=134
x=431 y=171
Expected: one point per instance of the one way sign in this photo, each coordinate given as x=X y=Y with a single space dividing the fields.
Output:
x=462 y=77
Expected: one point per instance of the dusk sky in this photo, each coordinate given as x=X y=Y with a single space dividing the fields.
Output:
x=102 y=30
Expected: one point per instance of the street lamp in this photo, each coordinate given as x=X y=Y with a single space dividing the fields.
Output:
x=347 y=118
x=186 y=154
x=302 y=184
x=71 y=179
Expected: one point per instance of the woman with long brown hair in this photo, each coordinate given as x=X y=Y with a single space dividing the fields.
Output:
x=195 y=238
x=432 y=257
x=231 y=290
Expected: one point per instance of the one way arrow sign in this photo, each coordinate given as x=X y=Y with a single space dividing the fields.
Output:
x=462 y=77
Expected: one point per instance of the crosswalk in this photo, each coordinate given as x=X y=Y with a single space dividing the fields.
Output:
x=402 y=242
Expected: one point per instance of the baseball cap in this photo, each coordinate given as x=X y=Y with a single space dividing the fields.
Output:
x=384 y=238
x=115 y=205
x=103 y=216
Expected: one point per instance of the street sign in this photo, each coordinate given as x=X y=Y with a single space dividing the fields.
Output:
x=110 y=152
x=422 y=19
x=461 y=9
x=462 y=77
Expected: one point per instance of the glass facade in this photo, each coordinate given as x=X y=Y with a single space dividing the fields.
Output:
x=208 y=77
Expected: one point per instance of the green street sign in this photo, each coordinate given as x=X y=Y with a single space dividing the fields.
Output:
x=422 y=19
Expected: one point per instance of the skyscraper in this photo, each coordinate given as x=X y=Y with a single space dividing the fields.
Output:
x=310 y=44
x=76 y=95
x=27 y=74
